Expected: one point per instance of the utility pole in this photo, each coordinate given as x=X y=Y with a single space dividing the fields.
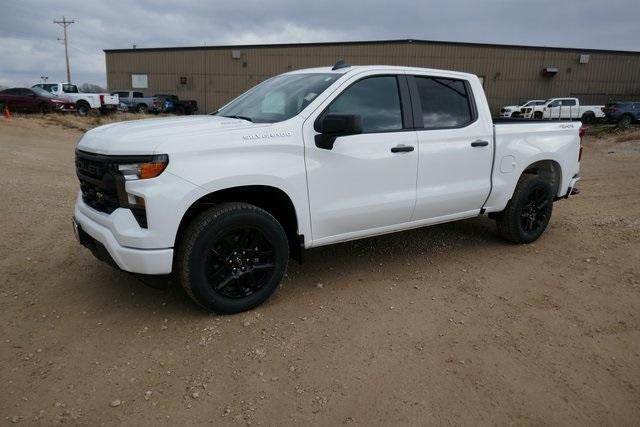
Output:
x=64 y=23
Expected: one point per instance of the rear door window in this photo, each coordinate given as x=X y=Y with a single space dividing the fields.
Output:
x=69 y=88
x=445 y=103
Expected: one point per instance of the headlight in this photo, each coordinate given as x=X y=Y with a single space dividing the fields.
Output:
x=144 y=170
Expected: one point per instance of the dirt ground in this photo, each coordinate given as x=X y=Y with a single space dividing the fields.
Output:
x=447 y=325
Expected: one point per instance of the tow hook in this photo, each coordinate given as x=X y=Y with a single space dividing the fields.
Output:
x=574 y=191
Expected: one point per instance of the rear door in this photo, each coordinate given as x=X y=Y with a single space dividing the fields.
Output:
x=29 y=100
x=367 y=182
x=569 y=109
x=455 y=148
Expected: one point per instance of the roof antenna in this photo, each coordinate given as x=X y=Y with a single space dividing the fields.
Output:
x=340 y=64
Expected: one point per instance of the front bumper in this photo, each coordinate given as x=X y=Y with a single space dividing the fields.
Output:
x=101 y=242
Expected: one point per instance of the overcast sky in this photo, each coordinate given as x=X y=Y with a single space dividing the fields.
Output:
x=29 y=47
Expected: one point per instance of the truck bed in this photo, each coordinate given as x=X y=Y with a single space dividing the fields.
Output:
x=520 y=143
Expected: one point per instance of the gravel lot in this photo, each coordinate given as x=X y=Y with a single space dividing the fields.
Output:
x=442 y=325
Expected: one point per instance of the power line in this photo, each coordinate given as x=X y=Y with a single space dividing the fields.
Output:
x=64 y=23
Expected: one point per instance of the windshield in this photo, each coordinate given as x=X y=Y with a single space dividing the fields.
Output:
x=41 y=92
x=278 y=98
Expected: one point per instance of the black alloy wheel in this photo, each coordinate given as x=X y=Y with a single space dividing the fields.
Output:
x=527 y=214
x=232 y=257
x=239 y=262
x=535 y=212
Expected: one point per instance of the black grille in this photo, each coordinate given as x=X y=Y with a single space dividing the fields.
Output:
x=98 y=181
x=102 y=186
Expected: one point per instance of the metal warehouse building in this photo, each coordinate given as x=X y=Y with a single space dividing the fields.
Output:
x=212 y=75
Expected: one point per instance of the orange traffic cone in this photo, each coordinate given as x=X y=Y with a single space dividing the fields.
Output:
x=7 y=113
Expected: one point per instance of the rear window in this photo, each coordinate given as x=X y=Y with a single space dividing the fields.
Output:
x=69 y=88
x=446 y=103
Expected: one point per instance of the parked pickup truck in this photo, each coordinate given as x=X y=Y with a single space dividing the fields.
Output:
x=84 y=101
x=173 y=104
x=309 y=158
x=516 y=110
x=623 y=113
x=564 y=108
x=136 y=101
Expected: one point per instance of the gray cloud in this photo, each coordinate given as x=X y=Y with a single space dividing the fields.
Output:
x=29 y=49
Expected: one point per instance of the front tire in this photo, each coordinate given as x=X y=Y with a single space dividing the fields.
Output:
x=232 y=257
x=528 y=212
x=142 y=109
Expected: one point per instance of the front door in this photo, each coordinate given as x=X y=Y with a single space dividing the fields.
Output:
x=366 y=182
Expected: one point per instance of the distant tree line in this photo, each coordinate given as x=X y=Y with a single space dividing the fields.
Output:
x=91 y=88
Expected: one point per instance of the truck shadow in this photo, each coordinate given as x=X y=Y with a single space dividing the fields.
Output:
x=394 y=251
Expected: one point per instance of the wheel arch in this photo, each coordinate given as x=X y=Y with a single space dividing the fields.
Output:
x=549 y=169
x=272 y=199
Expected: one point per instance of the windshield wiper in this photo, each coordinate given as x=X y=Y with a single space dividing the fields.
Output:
x=249 y=119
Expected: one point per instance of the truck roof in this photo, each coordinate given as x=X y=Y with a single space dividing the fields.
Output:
x=352 y=69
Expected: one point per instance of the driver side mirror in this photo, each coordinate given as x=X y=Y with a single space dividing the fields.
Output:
x=331 y=126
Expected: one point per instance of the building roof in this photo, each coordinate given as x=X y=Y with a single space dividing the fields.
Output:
x=368 y=42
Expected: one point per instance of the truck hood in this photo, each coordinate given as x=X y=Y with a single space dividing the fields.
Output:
x=145 y=136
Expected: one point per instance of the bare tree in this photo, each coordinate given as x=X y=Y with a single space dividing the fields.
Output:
x=90 y=88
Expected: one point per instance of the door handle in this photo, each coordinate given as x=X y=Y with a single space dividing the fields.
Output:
x=402 y=149
x=479 y=143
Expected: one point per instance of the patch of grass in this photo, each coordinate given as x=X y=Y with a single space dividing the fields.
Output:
x=632 y=135
x=73 y=121
x=607 y=131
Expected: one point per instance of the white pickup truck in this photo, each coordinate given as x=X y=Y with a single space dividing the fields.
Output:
x=516 y=110
x=84 y=101
x=564 y=108
x=309 y=158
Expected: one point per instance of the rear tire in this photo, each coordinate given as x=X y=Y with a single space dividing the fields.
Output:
x=588 y=117
x=625 y=121
x=142 y=109
x=44 y=108
x=83 y=108
x=528 y=212
x=232 y=257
